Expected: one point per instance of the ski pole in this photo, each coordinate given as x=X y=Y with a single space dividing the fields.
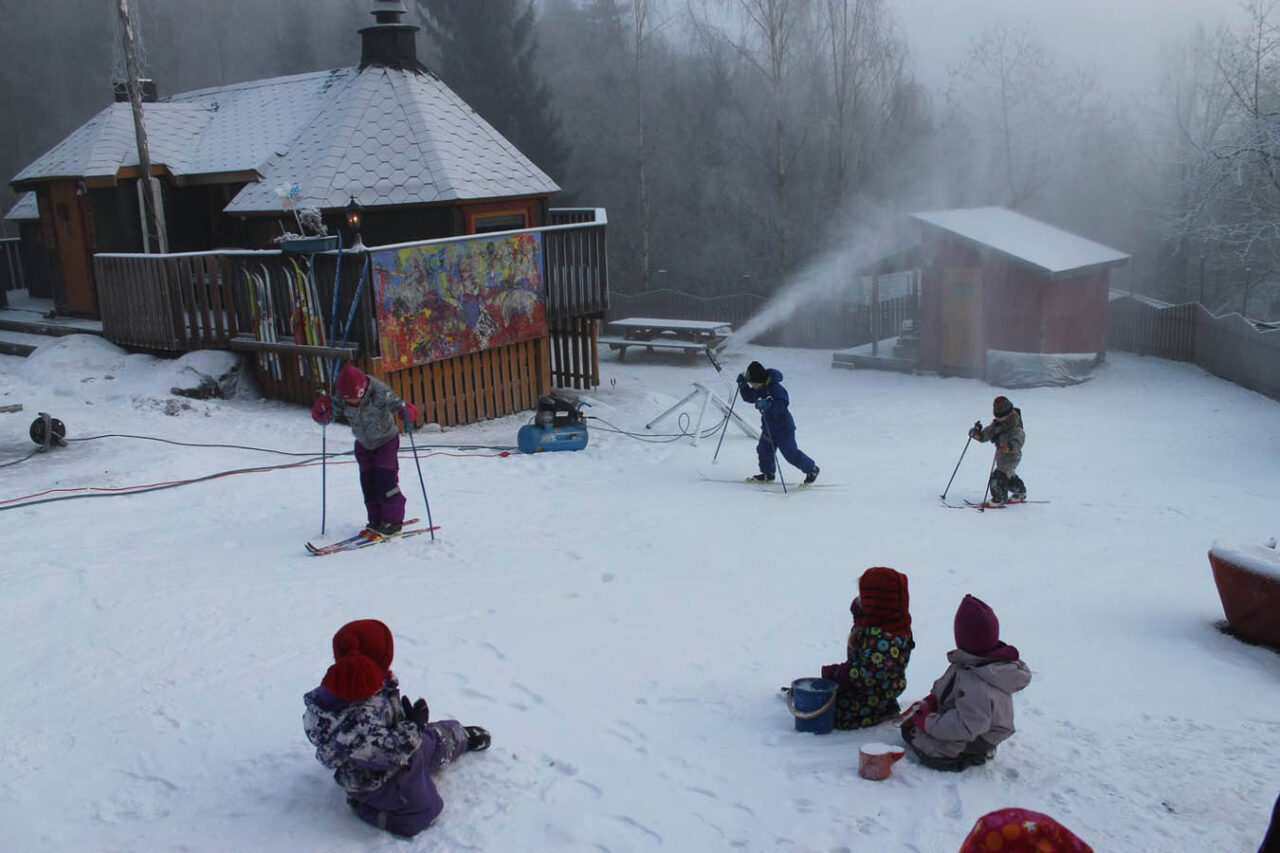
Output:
x=324 y=474
x=764 y=423
x=431 y=527
x=987 y=490
x=727 y=418
x=968 y=441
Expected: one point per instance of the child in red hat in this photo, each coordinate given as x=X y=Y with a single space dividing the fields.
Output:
x=969 y=711
x=379 y=745
x=1006 y=433
x=874 y=673
x=371 y=407
x=1021 y=831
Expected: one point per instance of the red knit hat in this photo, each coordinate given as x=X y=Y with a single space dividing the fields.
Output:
x=977 y=628
x=362 y=653
x=885 y=602
x=351 y=382
x=1001 y=406
x=1021 y=831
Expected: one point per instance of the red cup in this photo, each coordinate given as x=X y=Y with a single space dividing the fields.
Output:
x=876 y=760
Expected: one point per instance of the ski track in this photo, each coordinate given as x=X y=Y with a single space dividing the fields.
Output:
x=622 y=627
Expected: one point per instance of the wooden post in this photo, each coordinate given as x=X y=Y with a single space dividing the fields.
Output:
x=875 y=314
x=150 y=202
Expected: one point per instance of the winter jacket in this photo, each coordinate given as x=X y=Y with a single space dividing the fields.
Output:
x=975 y=704
x=1008 y=437
x=776 y=419
x=872 y=677
x=382 y=760
x=373 y=419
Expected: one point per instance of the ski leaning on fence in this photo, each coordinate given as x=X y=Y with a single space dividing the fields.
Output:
x=365 y=538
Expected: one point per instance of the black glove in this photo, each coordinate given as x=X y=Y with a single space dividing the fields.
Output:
x=976 y=431
x=742 y=377
x=415 y=712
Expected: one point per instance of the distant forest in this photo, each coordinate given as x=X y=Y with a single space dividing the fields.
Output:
x=734 y=142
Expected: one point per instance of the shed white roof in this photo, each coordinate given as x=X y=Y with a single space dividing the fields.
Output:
x=24 y=208
x=1031 y=241
x=383 y=135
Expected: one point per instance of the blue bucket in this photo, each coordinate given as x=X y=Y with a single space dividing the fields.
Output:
x=812 y=702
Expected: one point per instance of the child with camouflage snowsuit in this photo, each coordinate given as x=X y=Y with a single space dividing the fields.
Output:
x=969 y=711
x=380 y=746
x=1006 y=433
x=874 y=674
x=763 y=388
x=371 y=407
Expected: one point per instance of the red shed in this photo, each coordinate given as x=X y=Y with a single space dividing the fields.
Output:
x=995 y=280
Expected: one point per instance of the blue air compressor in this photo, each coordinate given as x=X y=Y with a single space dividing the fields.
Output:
x=557 y=425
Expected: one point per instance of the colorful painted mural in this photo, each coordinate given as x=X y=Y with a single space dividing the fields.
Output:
x=441 y=300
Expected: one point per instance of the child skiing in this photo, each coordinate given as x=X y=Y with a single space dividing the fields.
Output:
x=875 y=672
x=380 y=746
x=1006 y=433
x=969 y=711
x=370 y=407
x=763 y=387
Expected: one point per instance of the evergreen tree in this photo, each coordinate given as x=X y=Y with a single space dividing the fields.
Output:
x=487 y=53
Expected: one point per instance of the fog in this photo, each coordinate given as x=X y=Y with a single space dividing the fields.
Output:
x=760 y=145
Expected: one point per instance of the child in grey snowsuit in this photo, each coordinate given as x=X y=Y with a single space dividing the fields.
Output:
x=1006 y=433
x=969 y=711
x=378 y=744
x=371 y=407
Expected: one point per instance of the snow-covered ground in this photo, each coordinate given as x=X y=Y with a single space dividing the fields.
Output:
x=622 y=625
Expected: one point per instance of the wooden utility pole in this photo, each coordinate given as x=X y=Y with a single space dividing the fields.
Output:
x=150 y=202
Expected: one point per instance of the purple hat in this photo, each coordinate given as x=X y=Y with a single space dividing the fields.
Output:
x=977 y=628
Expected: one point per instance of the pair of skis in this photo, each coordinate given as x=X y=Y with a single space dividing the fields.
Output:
x=968 y=504
x=770 y=485
x=366 y=538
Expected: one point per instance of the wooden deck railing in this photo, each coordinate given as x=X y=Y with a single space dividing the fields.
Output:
x=12 y=276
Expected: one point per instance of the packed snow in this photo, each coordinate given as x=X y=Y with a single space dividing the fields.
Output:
x=621 y=624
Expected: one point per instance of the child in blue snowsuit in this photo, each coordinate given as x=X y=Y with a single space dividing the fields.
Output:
x=763 y=387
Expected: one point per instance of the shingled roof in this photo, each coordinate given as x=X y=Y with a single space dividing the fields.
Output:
x=1059 y=253
x=383 y=135
x=24 y=209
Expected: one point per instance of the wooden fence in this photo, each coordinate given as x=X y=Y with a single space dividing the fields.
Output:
x=1229 y=346
x=822 y=326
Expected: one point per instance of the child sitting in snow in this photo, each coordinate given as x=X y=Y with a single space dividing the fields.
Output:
x=371 y=407
x=379 y=745
x=969 y=711
x=875 y=672
x=1006 y=433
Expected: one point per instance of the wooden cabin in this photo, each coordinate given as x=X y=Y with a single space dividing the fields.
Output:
x=386 y=139
x=996 y=280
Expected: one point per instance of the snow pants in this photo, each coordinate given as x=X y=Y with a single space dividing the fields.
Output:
x=408 y=802
x=380 y=481
x=786 y=443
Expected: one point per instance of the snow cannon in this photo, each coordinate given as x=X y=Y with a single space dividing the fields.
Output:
x=557 y=425
x=48 y=431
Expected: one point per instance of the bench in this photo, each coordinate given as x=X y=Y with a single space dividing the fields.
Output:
x=621 y=344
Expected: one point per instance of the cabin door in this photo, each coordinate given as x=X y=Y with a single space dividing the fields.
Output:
x=74 y=255
x=962 y=338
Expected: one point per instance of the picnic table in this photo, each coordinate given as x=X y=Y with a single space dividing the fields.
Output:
x=653 y=333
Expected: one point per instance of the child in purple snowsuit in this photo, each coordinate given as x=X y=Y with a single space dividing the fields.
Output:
x=370 y=407
x=380 y=746
x=763 y=388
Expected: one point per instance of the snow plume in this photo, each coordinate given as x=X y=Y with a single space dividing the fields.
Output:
x=830 y=279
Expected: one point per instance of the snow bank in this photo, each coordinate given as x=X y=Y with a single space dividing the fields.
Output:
x=92 y=367
x=1035 y=369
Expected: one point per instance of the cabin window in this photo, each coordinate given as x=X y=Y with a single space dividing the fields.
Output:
x=500 y=222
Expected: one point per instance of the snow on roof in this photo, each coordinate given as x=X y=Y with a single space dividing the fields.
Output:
x=393 y=136
x=25 y=208
x=1053 y=250
x=383 y=135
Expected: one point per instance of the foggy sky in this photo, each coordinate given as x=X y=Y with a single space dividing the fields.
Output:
x=1119 y=40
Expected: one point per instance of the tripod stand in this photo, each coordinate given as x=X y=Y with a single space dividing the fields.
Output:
x=708 y=397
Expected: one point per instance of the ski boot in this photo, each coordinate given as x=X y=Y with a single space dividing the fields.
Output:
x=999 y=488
x=1017 y=489
x=477 y=739
x=760 y=478
x=811 y=476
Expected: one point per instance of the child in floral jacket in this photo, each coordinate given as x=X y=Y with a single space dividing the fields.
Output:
x=875 y=672
x=378 y=744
